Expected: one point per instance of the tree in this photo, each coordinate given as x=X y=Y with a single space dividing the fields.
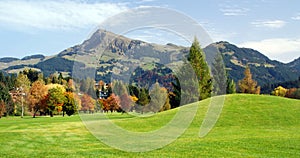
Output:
x=167 y=105
x=36 y=97
x=158 y=97
x=280 y=91
x=126 y=103
x=69 y=105
x=175 y=96
x=291 y=93
x=88 y=103
x=71 y=86
x=113 y=102
x=143 y=100
x=22 y=81
x=56 y=99
x=248 y=85
x=60 y=79
x=5 y=100
x=2 y=108
x=231 y=87
x=197 y=60
x=187 y=91
x=32 y=75
x=219 y=75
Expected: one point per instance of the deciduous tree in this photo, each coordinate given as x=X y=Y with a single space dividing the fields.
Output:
x=36 y=97
x=69 y=105
x=56 y=98
x=158 y=97
x=88 y=103
x=280 y=91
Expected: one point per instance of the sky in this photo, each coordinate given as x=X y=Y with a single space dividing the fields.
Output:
x=48 y=27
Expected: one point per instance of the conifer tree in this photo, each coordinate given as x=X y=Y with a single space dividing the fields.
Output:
x=219 y=75
x=189 y=91
x=248 y=85
x=231 y=86
x=200 y=66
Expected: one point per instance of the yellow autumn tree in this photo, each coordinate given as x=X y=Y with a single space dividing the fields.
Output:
x=279 y=91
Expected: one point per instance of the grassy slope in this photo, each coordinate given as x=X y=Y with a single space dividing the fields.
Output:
x=250 y=126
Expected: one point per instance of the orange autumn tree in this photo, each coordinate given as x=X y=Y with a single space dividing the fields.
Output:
x=36 y=96
x=247 y=84
x=113 y=102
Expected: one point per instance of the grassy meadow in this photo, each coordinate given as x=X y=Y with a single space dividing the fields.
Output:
x=249 y=126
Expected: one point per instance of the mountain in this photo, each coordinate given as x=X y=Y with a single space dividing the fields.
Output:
x=106 y=54
x=295 y=64
x=263 y=69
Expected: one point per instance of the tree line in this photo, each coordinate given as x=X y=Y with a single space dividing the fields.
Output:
x=31 y=93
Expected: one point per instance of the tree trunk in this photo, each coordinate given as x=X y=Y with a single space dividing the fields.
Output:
x=35 y=113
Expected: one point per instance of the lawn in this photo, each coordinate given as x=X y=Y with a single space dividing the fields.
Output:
x=249 y=126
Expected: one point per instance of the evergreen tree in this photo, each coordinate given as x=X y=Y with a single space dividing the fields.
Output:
x=5 y=100
x=219 y=75
x=175 y=96
x=199 y=64
x=248 y=85
x=189 y=92
x=60 y=79
x=231 y=86
x=143 y=100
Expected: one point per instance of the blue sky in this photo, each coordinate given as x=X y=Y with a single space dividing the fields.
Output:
x=47 y=27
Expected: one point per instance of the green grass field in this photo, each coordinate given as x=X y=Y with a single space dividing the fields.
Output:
x=249 y=126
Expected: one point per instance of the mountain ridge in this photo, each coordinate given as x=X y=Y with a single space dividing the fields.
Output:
x=114 y=47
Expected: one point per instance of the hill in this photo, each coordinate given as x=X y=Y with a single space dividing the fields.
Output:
x=106 y=53
x=249 y=126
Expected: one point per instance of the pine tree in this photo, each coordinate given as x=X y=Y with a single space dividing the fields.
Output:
x=189 y=91
x=248 y=85
x=198 y=62
x=231 y=87
x=143 y=100
x=219 y=75
x=5 y=100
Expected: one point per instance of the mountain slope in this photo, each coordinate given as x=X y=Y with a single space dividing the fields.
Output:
x=263 y=69
x=295 y=64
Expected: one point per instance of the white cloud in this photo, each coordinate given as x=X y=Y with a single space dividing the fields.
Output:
x=280 y=49
x=269 y=24
x=233 y=10
x=297 y=17
x=49 y=14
